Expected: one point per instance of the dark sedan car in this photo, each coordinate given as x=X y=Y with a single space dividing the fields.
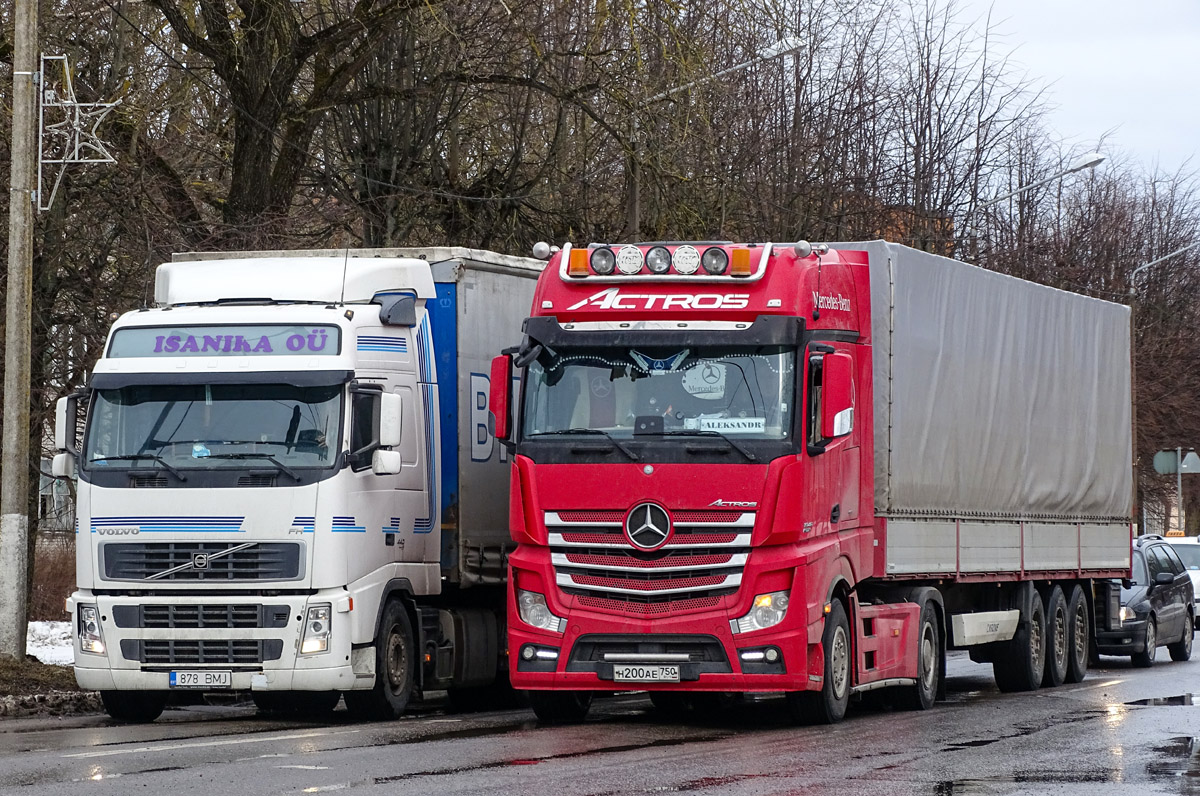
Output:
x=1157 y=607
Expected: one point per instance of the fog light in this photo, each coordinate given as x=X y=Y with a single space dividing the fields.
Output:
x=772 y=654
x=527 y=652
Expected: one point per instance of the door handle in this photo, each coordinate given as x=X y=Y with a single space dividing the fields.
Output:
x=836 y=513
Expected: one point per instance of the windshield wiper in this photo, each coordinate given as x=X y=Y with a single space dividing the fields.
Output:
x=688 y=432
x=269 y=457
x=133 y=457
x=633 y=456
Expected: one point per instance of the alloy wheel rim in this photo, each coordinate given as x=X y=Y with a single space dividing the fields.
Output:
x=839 y=662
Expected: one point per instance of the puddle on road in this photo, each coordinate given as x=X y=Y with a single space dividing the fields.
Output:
x=1181 y=761
x=981 y=785
x=1182 y=699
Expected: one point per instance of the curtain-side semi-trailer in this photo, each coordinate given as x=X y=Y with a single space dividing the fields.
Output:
x=809 y=470
x=286 y=483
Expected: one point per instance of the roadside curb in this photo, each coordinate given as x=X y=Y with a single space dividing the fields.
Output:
x=51 y=703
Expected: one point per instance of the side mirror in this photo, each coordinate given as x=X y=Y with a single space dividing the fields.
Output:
x=64 y=423
x=500 y=395
x=1164 y=579
x=386 y=462
x=63 y=465
x=837 y=396
x=390 y=420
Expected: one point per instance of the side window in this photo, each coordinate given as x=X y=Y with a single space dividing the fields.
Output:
x=1176 y=565
x=1139 y=568
x=364 y=425
x=813 y=410
x=1157 y=561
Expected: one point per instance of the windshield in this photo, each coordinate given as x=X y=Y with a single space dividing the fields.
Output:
x=1190 y=553
x=213 y=425
x=734 y=391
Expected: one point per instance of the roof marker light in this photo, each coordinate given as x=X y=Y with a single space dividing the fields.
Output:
x=687 y=260
x=578 y=264
x=741 y=263
x=629 y=260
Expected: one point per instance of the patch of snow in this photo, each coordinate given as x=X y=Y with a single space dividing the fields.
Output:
x=51 y=642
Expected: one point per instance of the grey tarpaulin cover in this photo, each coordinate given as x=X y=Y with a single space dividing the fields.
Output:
x=995 y=396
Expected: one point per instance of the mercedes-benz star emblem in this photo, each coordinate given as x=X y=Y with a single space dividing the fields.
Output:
x=648 y=526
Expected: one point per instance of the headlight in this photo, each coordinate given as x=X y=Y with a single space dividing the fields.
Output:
x=91 y=636
x=715 y=261
x=316 y=630
x=603 y=261
x=687 y=260
x=768 y=610
x=533 y=610
x=658 y=260
x=1126 y=614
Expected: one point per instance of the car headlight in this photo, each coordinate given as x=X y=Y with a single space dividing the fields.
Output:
x=91 y=636
x=534 y=611
x=1126 y=614
x=768 y=610
x=316 y=630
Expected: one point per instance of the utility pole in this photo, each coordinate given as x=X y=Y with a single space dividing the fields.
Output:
x=14 y=478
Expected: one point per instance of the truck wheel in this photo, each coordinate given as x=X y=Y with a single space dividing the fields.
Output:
x=1079 y=636
x=923 y=695
x=1057 y=639
x=1145 y=658
x=560 y=707
x=1021 y=664
x=134 y=707
x=395 y=664
x=1182 y=650
x=828 y=706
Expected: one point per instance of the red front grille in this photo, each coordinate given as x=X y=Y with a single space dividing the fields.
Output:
x=669 y=561
x=679 y=537
x=722 y=517
x=593 y=538
x=591 y=516
x=673 y=607
x=648 y=585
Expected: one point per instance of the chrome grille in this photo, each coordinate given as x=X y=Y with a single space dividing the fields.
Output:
x=704 y=558
x=175 y=651
x=150 y=560
x=201 y=616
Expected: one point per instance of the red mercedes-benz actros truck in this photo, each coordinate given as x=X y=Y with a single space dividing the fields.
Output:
x=746 y=468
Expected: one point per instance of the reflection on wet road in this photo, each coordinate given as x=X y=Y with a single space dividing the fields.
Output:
x=1120 y=731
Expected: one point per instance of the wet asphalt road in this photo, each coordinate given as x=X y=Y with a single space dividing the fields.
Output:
x=1121 y=731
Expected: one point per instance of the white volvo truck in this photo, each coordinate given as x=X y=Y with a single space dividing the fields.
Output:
x=286 y=482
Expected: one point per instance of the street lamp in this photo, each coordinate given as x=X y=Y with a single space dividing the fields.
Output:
x=785 y=46
x=1088 y=161
x=1140 y=268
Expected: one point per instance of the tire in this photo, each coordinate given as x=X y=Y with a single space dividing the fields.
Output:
x=1079 y=636
x=1022 y=662
x=395 y=667
x=134 y=707
x=828 y=706
x=1145 y=658
x=560 y=707
x=1182 y=650
x=1057 y=639
x=923 y=695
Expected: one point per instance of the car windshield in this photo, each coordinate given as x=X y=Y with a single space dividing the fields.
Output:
x=213 y=425
x=1190 y=553
x=743 y=391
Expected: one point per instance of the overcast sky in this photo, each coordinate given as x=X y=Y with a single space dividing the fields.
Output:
x=1130 y=68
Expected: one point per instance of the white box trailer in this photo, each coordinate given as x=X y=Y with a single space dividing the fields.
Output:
x=287 y=482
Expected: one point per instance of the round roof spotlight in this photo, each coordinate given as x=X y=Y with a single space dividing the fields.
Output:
x=687 y=260
x=603 y=261
x=629 y=260
x=715 y=261
x=658 y=260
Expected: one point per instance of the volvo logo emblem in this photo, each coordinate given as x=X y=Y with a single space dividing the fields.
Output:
x=648 y=526
x=200 y=561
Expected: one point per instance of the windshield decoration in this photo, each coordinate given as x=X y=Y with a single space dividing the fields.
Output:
x=224 y=341
x=656 y=366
